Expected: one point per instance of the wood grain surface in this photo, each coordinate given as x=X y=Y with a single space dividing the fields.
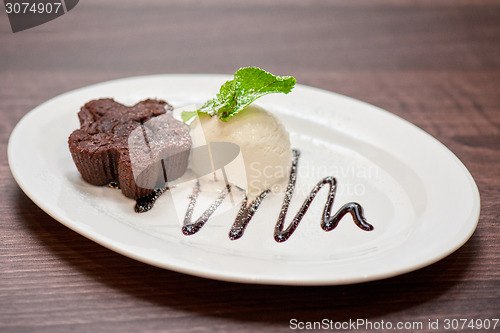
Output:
x=434 y=63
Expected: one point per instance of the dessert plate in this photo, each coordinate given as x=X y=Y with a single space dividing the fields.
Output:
x=421 y=200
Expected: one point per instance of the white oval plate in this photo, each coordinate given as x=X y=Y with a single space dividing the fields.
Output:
x=417 y=194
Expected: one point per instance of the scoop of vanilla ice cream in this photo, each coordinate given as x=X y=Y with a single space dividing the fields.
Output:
x=264 y=144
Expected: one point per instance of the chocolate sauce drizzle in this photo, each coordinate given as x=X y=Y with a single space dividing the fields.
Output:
x=327 y=223
x=246 y=212
x=114 y=185
x=144 y=204
x=191 y=228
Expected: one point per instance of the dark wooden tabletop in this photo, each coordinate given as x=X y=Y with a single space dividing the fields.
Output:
x=433 y=63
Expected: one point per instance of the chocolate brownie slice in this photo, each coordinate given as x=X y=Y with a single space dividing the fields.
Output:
x=140 y=147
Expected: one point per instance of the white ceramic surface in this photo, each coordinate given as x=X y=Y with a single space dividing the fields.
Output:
x=420 y=198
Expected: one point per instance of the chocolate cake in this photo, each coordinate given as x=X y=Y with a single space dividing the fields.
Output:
x=140 y=147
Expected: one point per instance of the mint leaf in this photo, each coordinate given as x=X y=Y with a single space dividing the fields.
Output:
x=249 y=83
x=187 y=115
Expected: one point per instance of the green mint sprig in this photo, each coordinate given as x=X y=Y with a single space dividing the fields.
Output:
x=249 y=83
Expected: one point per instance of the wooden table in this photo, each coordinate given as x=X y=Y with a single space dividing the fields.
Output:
x=434 y=63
